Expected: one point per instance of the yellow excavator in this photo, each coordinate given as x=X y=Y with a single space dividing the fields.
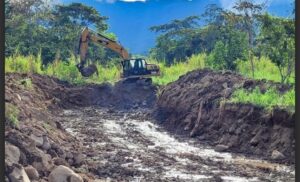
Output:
x=132 y=68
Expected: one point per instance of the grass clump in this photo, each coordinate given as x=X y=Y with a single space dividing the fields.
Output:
x=264 y=69
x=27 y=83
x=12 y=114
x=172 y=73
x=269 y=99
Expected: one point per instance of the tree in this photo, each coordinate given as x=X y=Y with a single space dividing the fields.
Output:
x=177 y=40
x=248 y=11
x=35 y=26
x=232 y=47
x=277 y=41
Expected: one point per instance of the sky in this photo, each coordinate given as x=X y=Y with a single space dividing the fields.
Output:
x=130 y=20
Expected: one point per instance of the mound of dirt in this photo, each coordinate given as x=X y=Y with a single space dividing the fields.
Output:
x=122 y=95
x=196 y=105
x=37 y=138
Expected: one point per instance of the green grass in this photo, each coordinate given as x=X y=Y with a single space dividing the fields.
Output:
x=172 y=73
x=264 y=69
x=12 y=114
x=27 y=83
x=269 y=99
x=61 y=69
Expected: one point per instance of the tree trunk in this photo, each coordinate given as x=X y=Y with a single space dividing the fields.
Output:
x=251 y=62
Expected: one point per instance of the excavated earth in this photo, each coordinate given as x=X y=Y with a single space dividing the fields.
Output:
x=123 y=132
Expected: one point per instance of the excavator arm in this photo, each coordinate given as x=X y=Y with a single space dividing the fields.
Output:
x=88 y=35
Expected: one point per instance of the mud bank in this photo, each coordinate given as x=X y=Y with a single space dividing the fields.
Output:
x=35 y=139
x=195 y=105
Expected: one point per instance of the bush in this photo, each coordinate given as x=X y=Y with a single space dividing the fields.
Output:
x=172 y=73
x=268 y=99
x=12 y=114
x=264 y=69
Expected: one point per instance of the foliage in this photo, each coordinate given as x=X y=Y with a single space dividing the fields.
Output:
x=64 y=70
x=264 y=69
x=12 y=114
x=277 y=41
x=27 y=83
x=172 y=73
x=227 y=52
x=269 y=99
x=177 y=40
x=35 y=27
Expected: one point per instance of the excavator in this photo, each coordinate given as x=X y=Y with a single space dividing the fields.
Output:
x=136 y=68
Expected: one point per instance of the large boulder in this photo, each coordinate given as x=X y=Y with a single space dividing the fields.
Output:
x=32 y=172
x=64 y=174
x=12 y=154
x=18 y=174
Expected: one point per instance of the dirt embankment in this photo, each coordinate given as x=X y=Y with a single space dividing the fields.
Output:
x=38 y=143
x=194 y=105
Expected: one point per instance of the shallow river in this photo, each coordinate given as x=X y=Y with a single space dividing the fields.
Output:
x=131 y=147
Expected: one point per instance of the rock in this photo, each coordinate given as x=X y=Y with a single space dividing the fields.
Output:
x=221 y=148
x=276 y=155
x=52 y=153
x=64 y=174
x=69 y=155
x=32 y=172
x=59 y=161
x=78 y=158
x=18 y=174
x=46 y=144
x=71 y=162
x=45 y=165
x=37 y=139
x=6 y=179
x=12 y=153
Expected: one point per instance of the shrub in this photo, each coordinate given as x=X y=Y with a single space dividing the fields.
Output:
x=11 y=114
x=268 y=99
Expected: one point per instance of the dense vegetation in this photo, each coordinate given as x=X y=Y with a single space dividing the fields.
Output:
x=245 y=33
x=43 y=38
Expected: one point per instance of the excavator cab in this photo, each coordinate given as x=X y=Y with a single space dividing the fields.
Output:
x=138 y=67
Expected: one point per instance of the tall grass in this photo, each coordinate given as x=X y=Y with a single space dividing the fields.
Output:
x=64 y=70
x=172 y=73
x=264 y=69
x=269 y=99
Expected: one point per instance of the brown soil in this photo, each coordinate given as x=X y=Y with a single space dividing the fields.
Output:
x=112 y=127
x=195 y=105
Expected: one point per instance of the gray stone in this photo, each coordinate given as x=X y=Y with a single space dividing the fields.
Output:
x=32 y=172
x=18 y=174
x=78 y=158
x=64 y=174
x=276 y=155
x=46 y=144
x=37 y=139
x=221 y=148
x=12 y=154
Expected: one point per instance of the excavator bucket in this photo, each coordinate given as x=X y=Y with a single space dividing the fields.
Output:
x=87 y=71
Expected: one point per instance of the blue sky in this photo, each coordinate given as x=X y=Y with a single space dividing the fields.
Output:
x=130 y=19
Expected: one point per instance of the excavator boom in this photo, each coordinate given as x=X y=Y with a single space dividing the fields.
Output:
x=89 y=35
x=131 y=67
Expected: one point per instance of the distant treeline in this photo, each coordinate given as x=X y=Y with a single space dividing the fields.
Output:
x=39 y=26
x=228 y=36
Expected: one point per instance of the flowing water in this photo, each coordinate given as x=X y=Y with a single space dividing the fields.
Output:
x=128 y=146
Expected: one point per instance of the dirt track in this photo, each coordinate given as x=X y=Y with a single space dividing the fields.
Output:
x=113 y=129
x=127 y=146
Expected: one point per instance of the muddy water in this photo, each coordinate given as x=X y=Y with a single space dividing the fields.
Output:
x=127 y=146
